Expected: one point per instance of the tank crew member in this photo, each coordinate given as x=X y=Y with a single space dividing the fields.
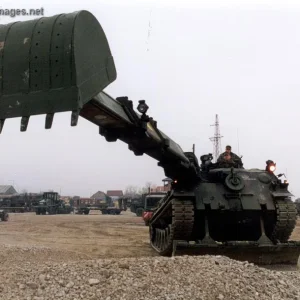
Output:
x=226 y=161
x=230 y=157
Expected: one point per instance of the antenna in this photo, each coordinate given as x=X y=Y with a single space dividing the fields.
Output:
x=193 y=148
x=238 y=141
x=216 y=139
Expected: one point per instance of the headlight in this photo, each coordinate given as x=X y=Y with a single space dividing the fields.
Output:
x=271 y=166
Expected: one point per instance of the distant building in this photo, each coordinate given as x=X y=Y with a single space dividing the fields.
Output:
x=114 y=194
x=99 y=196
x=7 y=190
x=164 y=188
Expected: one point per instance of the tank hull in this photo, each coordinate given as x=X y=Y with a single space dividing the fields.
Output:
x=179 y=227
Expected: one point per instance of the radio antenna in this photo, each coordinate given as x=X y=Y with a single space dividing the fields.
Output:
x=238 y=142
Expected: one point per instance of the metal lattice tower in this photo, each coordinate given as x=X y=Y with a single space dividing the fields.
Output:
x=216 y=139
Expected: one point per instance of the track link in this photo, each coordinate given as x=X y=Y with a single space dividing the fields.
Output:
x=182 y=219
x=286 y=220
x=180 y=228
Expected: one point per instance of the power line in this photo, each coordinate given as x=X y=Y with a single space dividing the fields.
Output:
x=216 y=139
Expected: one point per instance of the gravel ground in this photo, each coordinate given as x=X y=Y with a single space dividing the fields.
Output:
x=185 y=277
x=41 y=259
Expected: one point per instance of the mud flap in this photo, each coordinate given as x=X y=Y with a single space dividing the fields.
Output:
x=52 y=64
x=287 y=253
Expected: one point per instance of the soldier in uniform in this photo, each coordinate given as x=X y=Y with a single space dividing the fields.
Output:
x=230 y=158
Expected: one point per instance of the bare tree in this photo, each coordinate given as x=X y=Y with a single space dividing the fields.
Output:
x=147 y=188
x=131 y=190
x=148 y=184
x=143 y=190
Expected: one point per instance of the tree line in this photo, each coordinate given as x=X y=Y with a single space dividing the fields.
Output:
x=132 y=190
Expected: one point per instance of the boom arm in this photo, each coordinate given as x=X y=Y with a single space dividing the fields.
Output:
x=63 y=63
x=118 y=120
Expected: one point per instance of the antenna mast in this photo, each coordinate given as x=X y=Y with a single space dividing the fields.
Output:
x=238 y=142
x=216 y=139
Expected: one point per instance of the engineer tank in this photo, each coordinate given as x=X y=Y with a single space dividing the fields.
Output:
x=246 y=214
x=63 y=63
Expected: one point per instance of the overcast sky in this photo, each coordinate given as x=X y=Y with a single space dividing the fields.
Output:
x=240 y=62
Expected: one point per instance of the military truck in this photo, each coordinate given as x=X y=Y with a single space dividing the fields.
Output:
x=138 y=203
x=123 y=202
x=105 y=206
x=232 y=211
x=151 y=202
x=105 y=209
x=52 y=205
x=20 y=203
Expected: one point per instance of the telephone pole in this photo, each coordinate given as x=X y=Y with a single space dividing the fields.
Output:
x=216 y=139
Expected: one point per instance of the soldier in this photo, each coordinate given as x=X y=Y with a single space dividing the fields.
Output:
x=229 y=157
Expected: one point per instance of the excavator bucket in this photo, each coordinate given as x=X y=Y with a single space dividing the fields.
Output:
x=52 y=64
x=63 y=63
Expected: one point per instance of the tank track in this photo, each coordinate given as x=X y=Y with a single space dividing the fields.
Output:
x=286 y=220
x=181 y=227
x=174 y=221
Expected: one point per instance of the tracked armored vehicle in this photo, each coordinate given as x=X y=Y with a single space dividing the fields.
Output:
x=58 y=64
x=245 y=214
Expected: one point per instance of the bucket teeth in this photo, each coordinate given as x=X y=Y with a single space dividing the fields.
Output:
x=1 y=124
x=74 y=117
x=24 y=123
x=49 y=120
